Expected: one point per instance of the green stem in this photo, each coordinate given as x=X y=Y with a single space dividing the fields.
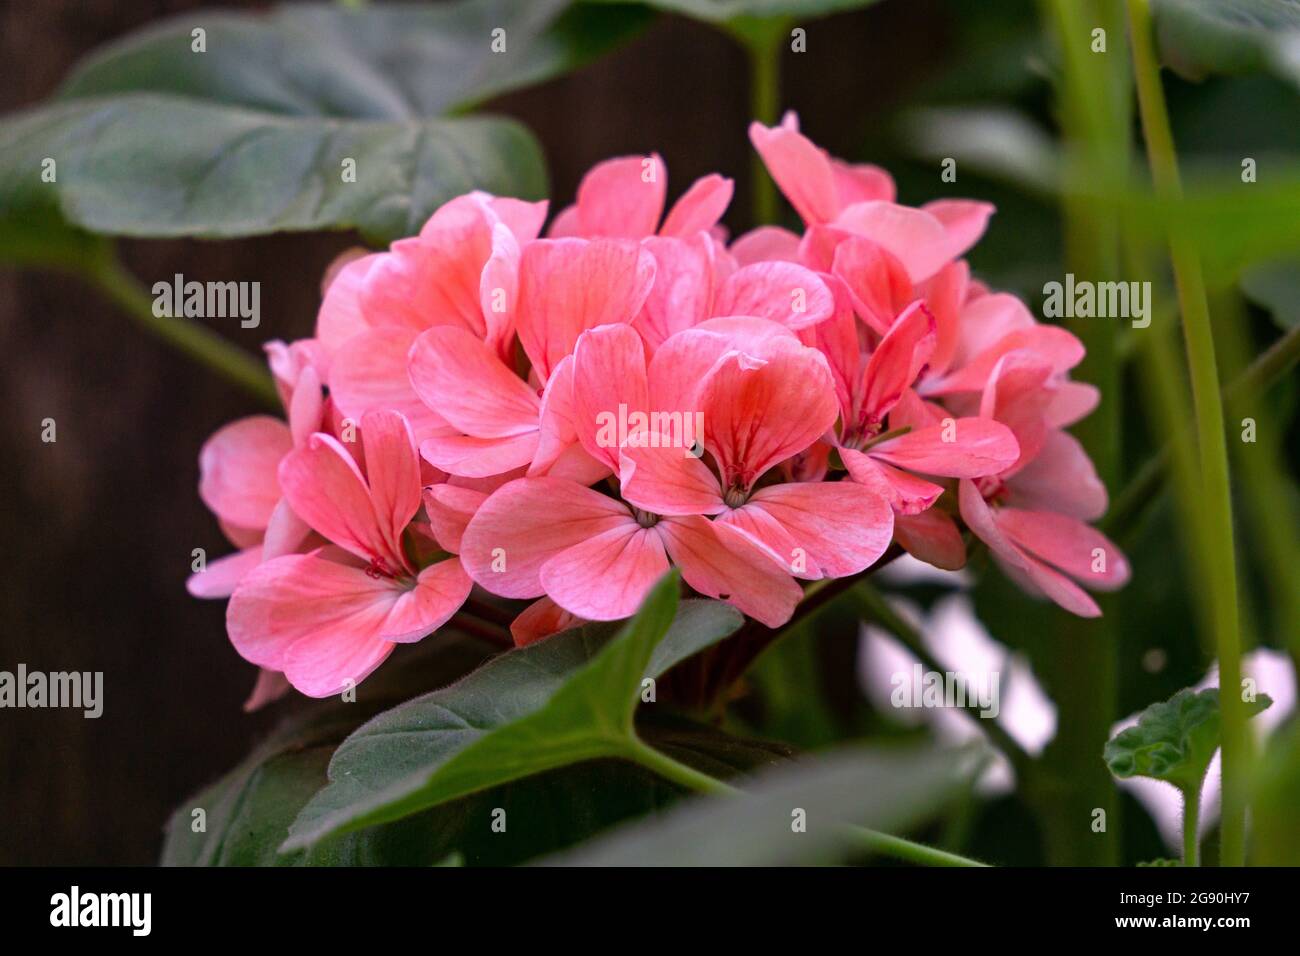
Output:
x=1273 y=363
x=764 y=103
x=863 y=838
x=194 y=340
x=1191 y=820
x=1213 y=448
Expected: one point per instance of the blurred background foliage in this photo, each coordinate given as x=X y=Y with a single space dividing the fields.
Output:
x=153 y=147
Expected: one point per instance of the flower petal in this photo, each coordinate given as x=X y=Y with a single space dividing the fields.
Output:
x=461 y=377
x=623 y=197
x=525 y=523
x=605 y=577
x=782 y=292
x=700 y=207
x=842 y=525
x=722 y=562
x=237 y=470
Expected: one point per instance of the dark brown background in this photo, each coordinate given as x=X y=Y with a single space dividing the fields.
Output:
x=97 y=528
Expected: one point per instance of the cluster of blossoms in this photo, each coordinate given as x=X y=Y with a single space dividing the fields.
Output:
x=564 y=418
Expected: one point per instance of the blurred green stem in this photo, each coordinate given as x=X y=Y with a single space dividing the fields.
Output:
x=1278 y=359
x=1216 y=499
x=762 y=42
x=194 y=340
x=862 y=838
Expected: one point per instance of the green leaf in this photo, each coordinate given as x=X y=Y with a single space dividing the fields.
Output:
x=249 y=136
x=1174 y=740
x=150 y=165
x=1197 y=38
x=1276 y=825
x=594 y=796
x=564 y=700
x=266 y=781
x=884 y=789
x=399 y=61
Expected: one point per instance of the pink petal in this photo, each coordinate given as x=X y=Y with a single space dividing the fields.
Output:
x=341 y=316
x=782 y=292
x=876 y=280
x=317 y=621
x=439 y=592
x=623 y=198
x=567 y=286
x=270 y=687
x=609 y=384
x=369 y=372
x=984 y=319
x=479 y=457
x=325 y=488
x=557 y=432
x=944 y=293
x=765 y=244
x=541 y=619
x=898 y=359
x=759 y=411
x=525 y=523
x=931 y=536
x=1072 y=402
x=461 y=377
x=917 y=238
x=499 y=291
x=450 y=509
x=668 y=481
x=859 y=183
x=1055 y=346
x=801 y=170
x=306 y=406
x=433 y=279
x=842 y=525
x=392 y=475
x=700 y=207
x=237 y=470
x=1061 y=477
x=723 y=562
x=682 y=295
x=1018 y=394
x=964 y=220
x=220 y=577
x=605 y=577
x=1067 y=543
x=979 y=446
x=905 y=492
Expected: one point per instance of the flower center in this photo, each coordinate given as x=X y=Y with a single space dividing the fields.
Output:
x=644 y=518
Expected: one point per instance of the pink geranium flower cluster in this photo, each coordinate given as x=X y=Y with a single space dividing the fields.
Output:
x=562 y=419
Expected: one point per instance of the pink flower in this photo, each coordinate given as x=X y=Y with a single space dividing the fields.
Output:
x=623 y=198
x=860 y=200
x=238 y=475
x=566 y=286
x=329 y=618
x=459 y=272
x=1032 y=515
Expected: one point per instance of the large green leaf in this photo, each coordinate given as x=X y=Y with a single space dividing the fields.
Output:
x=1174 y=740
x=313 y=729
x=149 y=165
x=1198 y=37
x=564 y=700
x=592 y=796
x=390 y=61
x=878 y=788
x=251 y=135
